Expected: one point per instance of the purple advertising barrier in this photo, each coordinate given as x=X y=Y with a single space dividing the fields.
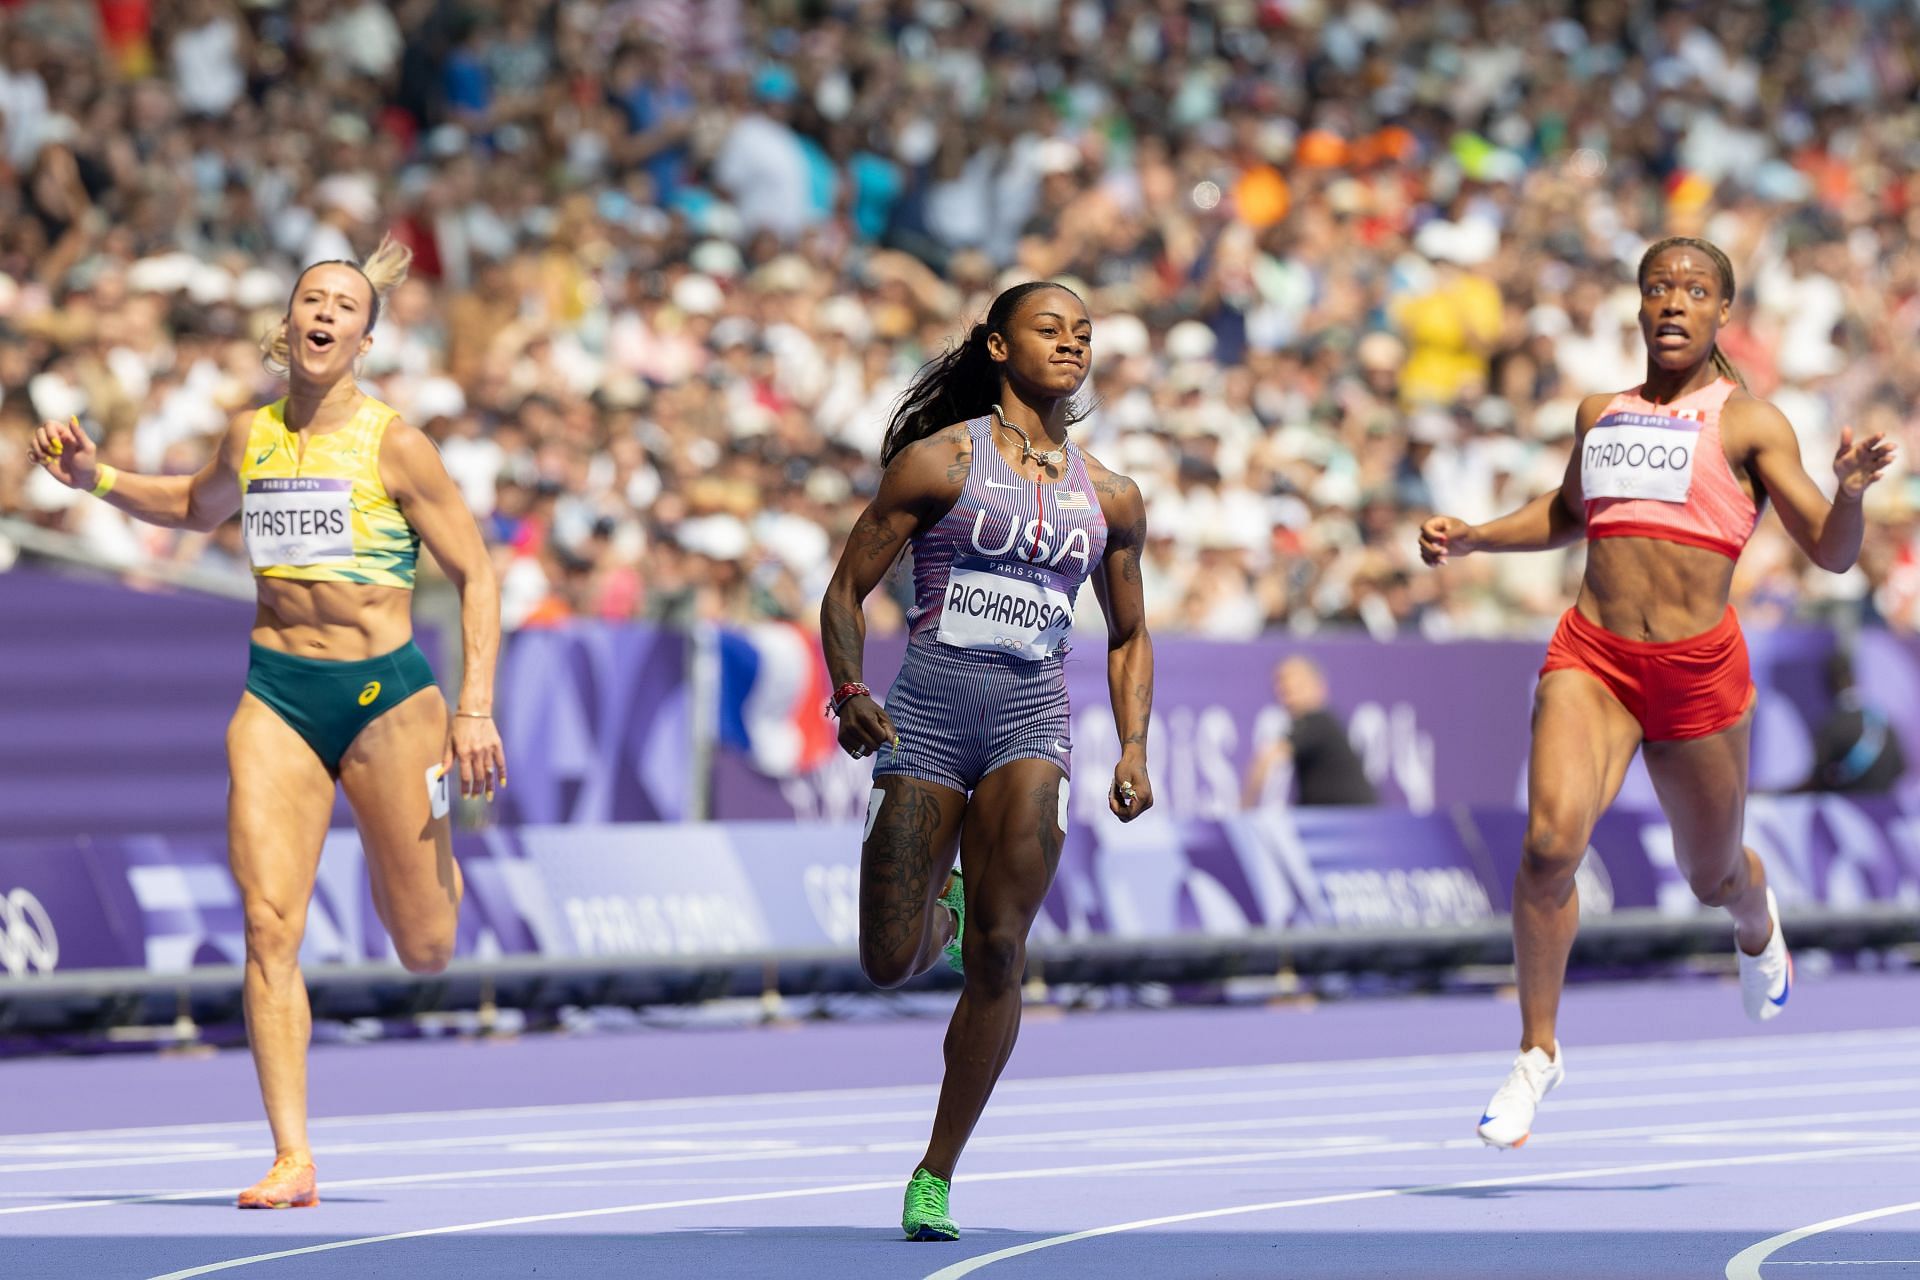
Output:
x=114 y=706
x=594 y=719
x=598 y=727
x=1434 y=724
x=658 y=891
x=54 y=915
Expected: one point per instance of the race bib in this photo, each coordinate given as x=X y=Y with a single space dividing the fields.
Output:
x=297 y=521
x=1017 y=609
x=1639 y=455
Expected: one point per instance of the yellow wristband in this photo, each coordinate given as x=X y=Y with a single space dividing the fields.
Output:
x=102 y=485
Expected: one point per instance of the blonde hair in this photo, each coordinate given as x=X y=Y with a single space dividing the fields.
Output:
x=383 y=270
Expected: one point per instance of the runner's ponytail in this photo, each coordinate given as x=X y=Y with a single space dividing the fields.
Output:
x=1725 y=367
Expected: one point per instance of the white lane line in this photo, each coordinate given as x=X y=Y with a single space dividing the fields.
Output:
x=1628 y=1053
x=570 y=1215
x=806 y=1097
x=1889 y=1070
x=1746 y=1264
x=1053 y=1140
x=1350 y=1147
x=971 y=1265
x=699 y=1202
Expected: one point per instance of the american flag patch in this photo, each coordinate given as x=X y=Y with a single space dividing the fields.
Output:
x=1071 y=500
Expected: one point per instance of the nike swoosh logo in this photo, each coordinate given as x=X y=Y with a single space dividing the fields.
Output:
x=263 y=457
x=995 y=484
x=1486 y=1119
x=1063 y=749
x=1786 y=989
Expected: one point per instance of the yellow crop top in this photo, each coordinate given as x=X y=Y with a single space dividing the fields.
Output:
x=324 y=516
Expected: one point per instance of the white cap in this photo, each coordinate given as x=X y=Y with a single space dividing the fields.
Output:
x=1190 y=340
x=1122 y=336
x=717 y=537
x=259 y=287
x=845 y=316
x=698 y=295
x=352 y=193
x=716 y=258
x=437 y=398
x=209 y=285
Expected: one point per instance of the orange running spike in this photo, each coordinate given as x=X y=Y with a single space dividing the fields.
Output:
x=290 y=1184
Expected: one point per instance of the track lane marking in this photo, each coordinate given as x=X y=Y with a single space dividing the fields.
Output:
x=1011 y=1144
x=1629 y=1053
x=970 y=1265
x=1746 y=1264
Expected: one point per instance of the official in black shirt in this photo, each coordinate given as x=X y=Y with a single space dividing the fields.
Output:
x=1327 y=770
x=1855 y=750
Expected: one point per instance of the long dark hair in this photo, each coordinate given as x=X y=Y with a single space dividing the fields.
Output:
x=961 y=384
x=1723 y=267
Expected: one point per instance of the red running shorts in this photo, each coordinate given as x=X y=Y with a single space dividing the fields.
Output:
x=1677 y=690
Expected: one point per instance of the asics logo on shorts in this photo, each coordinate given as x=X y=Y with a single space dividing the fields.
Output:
x=368 y=694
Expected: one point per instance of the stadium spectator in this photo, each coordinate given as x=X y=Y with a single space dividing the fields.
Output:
x=1348 y=263
x=1325 y=768
x=1855 y=748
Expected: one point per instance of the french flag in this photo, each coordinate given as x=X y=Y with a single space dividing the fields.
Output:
x=773 y=698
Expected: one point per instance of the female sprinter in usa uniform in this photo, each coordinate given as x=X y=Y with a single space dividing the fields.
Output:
x=1665 y=482
x=1007 y=518
x=336 y=496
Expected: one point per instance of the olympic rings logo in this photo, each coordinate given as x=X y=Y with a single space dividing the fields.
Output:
x=27 y=939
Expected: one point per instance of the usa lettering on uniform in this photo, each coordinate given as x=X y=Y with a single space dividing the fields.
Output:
x=1034 y=542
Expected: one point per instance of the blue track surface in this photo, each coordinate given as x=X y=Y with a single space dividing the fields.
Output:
x=1331 y=1142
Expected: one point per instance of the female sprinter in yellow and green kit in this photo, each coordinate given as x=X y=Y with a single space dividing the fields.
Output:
x=336 y=495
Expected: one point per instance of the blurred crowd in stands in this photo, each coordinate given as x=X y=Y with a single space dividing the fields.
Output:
x=1350 y=264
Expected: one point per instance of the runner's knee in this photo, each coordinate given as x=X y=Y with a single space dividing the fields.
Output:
x=274 y=932
x=887 y=967
x=424 y=953
x=995 y=959
x=1553 y=847
x=1717 y=889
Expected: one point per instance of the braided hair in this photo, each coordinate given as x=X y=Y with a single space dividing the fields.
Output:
x=1723 y=267
x=961 y=384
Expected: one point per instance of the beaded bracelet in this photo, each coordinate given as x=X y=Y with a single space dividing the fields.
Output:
x=847 y=693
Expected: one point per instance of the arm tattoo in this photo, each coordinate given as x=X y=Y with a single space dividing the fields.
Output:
x=871 y=537
x=957 y=469
x=842 y=635
x=1143 y=707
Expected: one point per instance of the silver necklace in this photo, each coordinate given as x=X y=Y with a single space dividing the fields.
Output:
x=1048 y=458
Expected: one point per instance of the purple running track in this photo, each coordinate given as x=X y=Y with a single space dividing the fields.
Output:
x=1328 y=1141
